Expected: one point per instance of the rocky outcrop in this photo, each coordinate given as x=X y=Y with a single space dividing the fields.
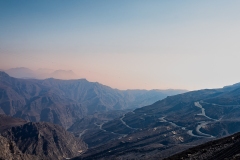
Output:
x=9 y=151
x=45 y=140
x=28 y=140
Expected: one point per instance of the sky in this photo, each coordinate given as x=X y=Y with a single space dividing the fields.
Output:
x=126 y=44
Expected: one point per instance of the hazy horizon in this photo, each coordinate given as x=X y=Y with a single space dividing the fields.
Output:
x=126 y=44
x=47 y=74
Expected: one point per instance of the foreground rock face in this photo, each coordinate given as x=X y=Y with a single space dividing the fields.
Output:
x=9 y=151
x=28 y=140
x=45 y=140
x=227 y=148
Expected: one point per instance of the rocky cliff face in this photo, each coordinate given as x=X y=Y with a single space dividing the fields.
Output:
x=45 y=140
x=9 y=151
x=28 y=140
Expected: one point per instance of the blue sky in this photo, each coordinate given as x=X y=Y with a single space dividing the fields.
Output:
x=125 y=44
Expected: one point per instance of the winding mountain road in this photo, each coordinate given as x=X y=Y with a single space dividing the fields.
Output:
x=121 y=119
x=197 y=104
x=82 y=133
x=100 y=126
x=189 y=132
x=203 y=123
x=199 y=126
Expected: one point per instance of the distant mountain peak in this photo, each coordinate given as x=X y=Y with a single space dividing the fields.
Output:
x=21 y=72
x=63 y=74
x=41 y=73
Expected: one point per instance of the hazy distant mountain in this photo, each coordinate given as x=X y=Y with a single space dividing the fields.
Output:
x=171 y=125
x=41 y=73
x=37 y=141
x=62 y=74
x=65 y=101
x=44 y=71
x=21 y=72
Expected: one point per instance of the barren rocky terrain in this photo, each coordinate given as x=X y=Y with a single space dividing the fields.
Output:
x=222 y=149
x=37 y=140
x=171 y=125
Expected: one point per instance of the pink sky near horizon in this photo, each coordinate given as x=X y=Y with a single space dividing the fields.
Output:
x=130 y=72
x=125 y=44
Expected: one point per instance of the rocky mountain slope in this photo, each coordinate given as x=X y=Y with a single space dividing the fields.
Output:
x=64 y=102
x=9 y=151
x=222 y=149
x=45 y=140
x=40 y=140
x=173 y=124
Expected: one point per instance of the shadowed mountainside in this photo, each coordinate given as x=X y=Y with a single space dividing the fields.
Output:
x=222 y=149
x=41 y=140
x=9 y=150
x=64 y=102
x=7 y=122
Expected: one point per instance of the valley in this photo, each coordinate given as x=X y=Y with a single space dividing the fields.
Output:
x=169 y=126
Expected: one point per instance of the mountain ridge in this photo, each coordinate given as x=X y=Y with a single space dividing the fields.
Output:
x=65 y=101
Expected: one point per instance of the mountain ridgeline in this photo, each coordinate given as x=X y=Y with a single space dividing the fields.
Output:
x=65 y=101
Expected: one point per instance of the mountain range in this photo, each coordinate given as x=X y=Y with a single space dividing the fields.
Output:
x=64 y=102
x=106 y=123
